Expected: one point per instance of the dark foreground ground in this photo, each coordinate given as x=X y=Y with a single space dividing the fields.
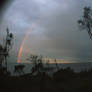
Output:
x=64 y=80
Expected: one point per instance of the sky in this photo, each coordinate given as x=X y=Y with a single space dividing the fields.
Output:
x=50 y=28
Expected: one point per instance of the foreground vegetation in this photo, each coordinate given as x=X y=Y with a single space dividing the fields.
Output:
x=64 y=80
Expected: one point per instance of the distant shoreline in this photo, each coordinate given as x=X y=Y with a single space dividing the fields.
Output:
x=77 y=67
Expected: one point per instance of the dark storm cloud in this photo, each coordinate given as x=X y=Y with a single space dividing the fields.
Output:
x=57 y=34
x=4 y=4
x=61 y=29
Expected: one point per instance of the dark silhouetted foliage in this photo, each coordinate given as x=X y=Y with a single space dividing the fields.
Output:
x=86 y=22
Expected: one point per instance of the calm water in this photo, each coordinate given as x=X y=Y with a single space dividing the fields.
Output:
x=77 y=67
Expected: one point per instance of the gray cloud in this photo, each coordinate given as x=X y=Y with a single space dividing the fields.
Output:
x=56 y=32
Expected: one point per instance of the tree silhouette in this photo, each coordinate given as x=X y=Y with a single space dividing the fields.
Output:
x=5 y=49
x=1 y=55
x=56 y=64
x=37 y=63
x=8 y=45
x=86 y=22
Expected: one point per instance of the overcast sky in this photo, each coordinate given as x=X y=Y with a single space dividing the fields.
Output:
x=52 y=27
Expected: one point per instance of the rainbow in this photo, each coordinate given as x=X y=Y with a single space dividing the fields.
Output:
x=21 y=49
x=23 y=42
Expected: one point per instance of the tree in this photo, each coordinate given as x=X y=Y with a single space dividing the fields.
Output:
x=1 y=56
x=56 y=64
x=37 y=62
x=86 y=22
x=5 y=49
x=8 y=45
